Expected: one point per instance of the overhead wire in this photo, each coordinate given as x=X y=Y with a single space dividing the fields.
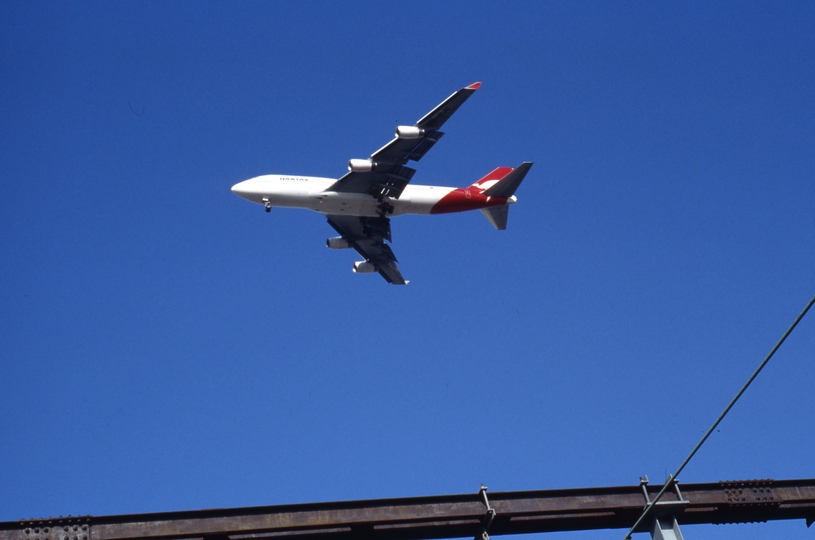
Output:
x=648 y=507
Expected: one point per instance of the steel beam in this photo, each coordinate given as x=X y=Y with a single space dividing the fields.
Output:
x=450 y=516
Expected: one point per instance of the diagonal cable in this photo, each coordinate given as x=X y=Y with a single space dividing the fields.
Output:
x=650 y=505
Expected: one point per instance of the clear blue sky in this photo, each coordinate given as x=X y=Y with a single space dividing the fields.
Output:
x=166 y=345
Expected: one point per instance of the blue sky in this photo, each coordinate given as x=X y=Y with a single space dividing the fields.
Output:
x=165 y=345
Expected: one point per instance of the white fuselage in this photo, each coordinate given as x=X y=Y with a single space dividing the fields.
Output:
x=310 y=192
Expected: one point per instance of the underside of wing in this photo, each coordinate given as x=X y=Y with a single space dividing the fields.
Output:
x=385 y=174
x=378 y=184
x=367 y=236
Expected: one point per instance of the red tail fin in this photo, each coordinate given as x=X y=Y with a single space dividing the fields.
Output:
x=506 y=187
x=492 y=178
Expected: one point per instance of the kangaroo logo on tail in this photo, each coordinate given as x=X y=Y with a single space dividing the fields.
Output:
x=492 y=178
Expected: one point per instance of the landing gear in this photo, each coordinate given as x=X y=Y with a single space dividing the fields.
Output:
x=267 y=204
x=385 y=208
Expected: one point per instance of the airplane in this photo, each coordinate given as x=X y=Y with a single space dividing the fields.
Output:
x=358 y=204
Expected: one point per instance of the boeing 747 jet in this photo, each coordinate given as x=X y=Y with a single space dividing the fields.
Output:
x=359 y=204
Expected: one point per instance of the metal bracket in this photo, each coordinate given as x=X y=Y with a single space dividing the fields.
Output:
x=664 y=525
x=664 y=508
x=488 y=517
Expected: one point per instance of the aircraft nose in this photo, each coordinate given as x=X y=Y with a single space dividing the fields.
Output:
x=241 y=189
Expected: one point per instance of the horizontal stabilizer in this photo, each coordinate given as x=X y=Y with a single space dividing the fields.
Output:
x=506 y=187
x=497 y=216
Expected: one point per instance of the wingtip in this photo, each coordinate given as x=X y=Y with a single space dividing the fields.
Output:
x=474 y=86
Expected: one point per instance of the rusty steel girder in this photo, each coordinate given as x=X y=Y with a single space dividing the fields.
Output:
x=448 y=516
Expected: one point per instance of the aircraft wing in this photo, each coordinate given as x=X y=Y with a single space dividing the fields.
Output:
x=388 y=175
x=367 y=236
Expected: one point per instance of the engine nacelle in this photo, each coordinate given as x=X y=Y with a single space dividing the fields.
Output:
x=364 y=267
x=338 y=242
x=409 y=132
x=361 y=165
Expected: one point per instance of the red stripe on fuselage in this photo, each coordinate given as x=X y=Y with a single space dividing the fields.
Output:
x=463 y=199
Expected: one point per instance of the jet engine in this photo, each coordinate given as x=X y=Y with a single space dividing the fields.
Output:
x=361 y=165
x=364 y=267
x=338 y=242
x=409 y=132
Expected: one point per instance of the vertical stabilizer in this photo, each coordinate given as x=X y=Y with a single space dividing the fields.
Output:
x=506 y=187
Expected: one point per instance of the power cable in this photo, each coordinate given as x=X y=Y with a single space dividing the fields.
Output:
x=650 y=505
